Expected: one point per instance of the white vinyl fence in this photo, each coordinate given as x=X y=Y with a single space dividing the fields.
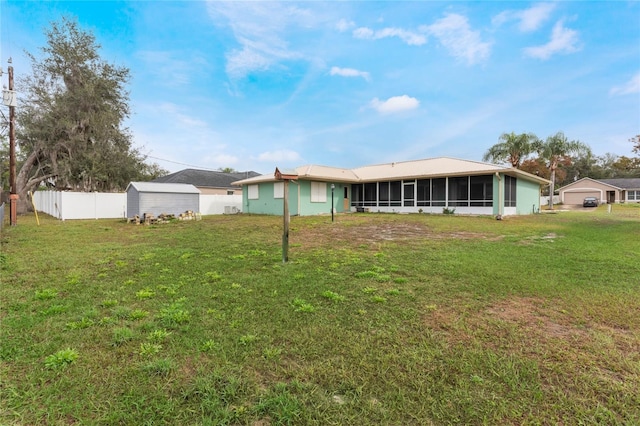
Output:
x=102 y=205
x=81 y=205
x=544 y=200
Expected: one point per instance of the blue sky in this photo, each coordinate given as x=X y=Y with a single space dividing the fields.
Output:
x=255 y=85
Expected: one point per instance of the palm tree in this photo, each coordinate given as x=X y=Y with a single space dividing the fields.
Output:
x=556 y=150
x=512 y=148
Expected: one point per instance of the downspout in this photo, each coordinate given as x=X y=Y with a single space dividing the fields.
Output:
x=500 y=196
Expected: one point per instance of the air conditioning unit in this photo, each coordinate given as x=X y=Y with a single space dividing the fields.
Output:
x=230 y=210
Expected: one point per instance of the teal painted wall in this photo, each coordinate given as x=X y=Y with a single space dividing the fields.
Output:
x=266 y=204
x=307 y=208
x=299 y=200
x=527 y=196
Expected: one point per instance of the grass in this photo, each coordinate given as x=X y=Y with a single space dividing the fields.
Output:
x=377 y=319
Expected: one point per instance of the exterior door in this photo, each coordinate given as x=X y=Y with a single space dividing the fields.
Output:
x=345 y=200
x=409 y=194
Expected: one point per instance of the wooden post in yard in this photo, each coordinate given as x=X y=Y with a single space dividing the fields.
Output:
x=286 y=177
x=287 y=218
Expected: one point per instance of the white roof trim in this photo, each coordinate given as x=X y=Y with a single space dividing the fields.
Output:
x=172 y=188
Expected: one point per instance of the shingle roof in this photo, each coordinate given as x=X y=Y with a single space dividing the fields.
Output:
x=623 y=183
x=205 y=178
x=430 y=167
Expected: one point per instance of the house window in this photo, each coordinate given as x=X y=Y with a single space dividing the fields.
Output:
x=253 y=192
x=370 y=194
x=383 y=199
x=229 y=192
x=438 y=192
x=481 y=191
x=633 y=195
x=318 y=192
x=278 y=190
x=423 y=192
x=509 y=191
x=396 y=193
x=357 y=194
x=459 y=191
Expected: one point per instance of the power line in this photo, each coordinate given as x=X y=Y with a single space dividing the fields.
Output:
x=182 y=164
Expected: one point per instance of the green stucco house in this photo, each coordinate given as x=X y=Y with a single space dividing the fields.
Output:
x=429 y=186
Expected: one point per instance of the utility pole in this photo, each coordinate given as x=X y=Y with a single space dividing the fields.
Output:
x=13 y=195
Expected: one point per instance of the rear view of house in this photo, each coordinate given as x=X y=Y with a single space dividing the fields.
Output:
x=430 y=186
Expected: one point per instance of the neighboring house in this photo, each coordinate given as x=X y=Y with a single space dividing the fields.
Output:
x=208 y=181
x=429 y=186
x=157 y=198
x=606 y=190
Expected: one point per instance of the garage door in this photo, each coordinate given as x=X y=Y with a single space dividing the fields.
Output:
x=578 y=197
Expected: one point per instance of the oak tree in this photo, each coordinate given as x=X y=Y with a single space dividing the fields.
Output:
x=70 y=123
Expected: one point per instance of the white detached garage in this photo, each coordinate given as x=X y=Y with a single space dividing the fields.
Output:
x=158 y=198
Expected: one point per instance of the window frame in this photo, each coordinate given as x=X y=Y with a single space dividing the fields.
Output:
x=318 y=192
x=253 y=192
x=510 y=191
x=278 y=190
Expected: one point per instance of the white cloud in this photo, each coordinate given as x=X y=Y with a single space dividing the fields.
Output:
x=530 y=19
x=456 y=35
x=343 y=25
x=282 y=155
x=630 y=87
x=260 y=28
x=350 y=72
x=563 y=40
x=394 y=104
x=363 y=32
x=410 y=38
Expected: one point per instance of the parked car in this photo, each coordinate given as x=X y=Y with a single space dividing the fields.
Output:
x=590 y=202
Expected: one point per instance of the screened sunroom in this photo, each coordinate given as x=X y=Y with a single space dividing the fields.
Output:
x=467 y=194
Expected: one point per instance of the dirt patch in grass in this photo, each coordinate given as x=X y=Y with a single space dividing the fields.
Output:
x=358 y=230
x=519 y=323
x=532 y=315
x=534 y=328
x=550 y=237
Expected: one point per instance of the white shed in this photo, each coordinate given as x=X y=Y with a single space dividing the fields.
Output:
x=157 y=198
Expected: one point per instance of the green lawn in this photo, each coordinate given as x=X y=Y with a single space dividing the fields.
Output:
x=377 y=319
